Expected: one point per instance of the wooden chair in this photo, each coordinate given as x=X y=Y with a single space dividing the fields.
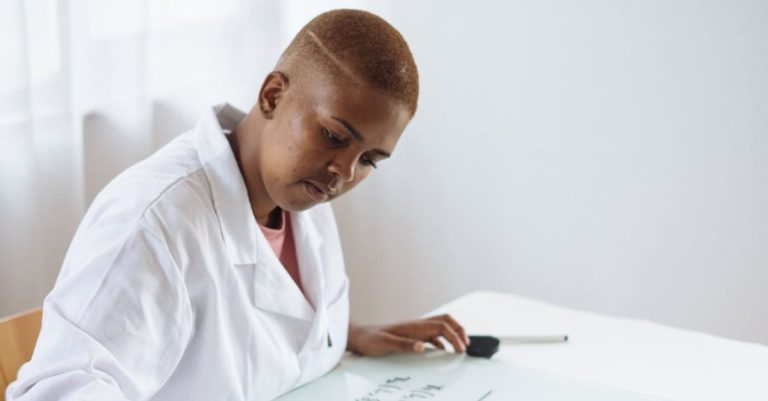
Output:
x=18 y=335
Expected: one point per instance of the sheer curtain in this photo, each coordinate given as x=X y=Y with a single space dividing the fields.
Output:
x=89 y=87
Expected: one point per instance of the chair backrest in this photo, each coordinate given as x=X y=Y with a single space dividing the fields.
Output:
x=18 y=335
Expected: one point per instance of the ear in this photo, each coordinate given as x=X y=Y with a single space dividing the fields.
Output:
x=272 y=90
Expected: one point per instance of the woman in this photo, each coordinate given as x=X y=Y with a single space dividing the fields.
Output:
x=213 y=269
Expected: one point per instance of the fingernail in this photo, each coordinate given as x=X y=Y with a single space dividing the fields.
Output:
x=418 y=347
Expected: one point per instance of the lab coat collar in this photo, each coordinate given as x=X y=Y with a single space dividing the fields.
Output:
x=308 y=246
x=244 y=239
x=274 y=289
x=230 y=197
x=308 y=243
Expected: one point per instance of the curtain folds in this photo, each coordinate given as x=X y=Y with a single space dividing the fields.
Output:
x=89 y=87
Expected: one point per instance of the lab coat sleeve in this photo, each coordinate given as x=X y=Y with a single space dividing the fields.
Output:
x=114 y=327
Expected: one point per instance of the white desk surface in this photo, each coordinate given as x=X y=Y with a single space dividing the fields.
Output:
x=623 y=353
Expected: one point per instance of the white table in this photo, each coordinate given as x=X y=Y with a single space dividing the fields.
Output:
x=623 y=353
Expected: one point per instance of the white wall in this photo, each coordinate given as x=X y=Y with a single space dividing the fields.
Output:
x=603 y=155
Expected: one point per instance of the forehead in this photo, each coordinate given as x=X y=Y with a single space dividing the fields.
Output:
x=371 y=111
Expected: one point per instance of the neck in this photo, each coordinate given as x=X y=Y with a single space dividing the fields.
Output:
x=244 y=147
x=275 y=219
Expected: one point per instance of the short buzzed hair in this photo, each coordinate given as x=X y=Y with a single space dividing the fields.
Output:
x=360 y=46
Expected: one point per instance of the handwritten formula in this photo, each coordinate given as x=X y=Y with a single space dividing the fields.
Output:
x=398 y=389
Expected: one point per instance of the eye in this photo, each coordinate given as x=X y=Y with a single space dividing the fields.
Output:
x=368 y=162
x=334 y=139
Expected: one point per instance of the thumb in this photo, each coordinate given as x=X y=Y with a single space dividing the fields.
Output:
x=404 y=345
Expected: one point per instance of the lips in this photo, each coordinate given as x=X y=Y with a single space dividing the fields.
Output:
x=319 y=193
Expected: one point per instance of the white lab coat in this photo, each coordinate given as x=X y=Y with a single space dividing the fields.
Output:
x=169 y=290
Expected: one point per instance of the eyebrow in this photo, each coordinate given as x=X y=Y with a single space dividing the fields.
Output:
x=355 y=133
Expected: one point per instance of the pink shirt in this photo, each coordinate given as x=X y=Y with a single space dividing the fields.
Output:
x=281 y=241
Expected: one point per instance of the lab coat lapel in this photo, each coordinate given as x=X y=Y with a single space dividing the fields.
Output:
x=230 y=197
x=274 y=289
x=249 y=251
x=308 y=243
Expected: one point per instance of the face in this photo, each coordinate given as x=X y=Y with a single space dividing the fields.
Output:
x=321 y=139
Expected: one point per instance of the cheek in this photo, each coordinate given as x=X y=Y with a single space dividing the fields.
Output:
x=296 y=160
x=296 y=152
x=362 y=173
x=359 y=177
x=286 y=151
x=292 y=159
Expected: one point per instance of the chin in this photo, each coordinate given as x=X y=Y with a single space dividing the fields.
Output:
x=297 y=206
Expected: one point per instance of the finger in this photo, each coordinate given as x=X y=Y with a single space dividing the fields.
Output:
x=437 y=343
x=402 y=344
x=450 y=334
x=459 y=329
x=456 y=327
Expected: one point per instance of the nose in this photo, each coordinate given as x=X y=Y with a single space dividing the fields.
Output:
x=343 y=167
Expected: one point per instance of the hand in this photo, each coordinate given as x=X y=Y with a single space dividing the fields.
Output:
x=408 y=337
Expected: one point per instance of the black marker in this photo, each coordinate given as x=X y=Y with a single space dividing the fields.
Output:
x=486 y=346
